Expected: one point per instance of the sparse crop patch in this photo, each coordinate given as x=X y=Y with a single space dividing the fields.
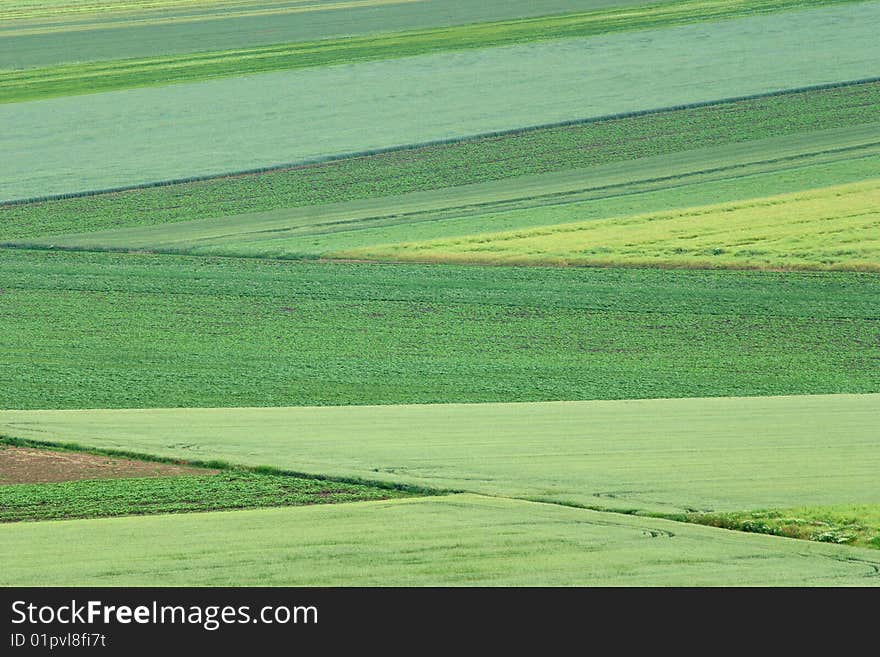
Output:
x=27 y=465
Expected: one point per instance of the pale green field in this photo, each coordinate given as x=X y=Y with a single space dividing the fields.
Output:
x=669 y=456
x=121 y=138
x=456 y=540
x=828 y=228
x=659 y=183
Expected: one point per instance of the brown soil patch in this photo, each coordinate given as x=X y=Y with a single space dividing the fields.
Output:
x=25 y=465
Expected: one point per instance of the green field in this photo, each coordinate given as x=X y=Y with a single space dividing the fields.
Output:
x=777 y=137
x=650 y=456
x=136 y=136
x=458 y=540
x=829 y=228
x=95 y=77
x=100 y=330
x=226 y=490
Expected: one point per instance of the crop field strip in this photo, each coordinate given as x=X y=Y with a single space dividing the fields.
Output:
x=94 y=77
x=451 y=540
x=40 y=482
x=795 y=121
x=246 y=332
x=660 y=456
x=250 y=128
x=660 y=183
x=96 y=498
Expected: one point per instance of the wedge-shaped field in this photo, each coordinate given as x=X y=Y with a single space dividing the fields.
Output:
x=223 y=60
x=596 y=159
x=665 y=456
x=104 y=330
x=455 y=540
x=180 y=494
x=100 y=141
x=829 y=228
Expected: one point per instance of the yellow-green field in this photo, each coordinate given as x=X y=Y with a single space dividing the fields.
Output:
x=830 y=228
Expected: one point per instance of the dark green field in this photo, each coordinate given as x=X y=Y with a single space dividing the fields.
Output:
x=100 y=330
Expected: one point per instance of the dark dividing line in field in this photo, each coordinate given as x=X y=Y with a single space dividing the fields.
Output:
x=328 y=259
x=523 y=130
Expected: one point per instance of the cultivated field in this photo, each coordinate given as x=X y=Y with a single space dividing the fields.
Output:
x=172 y=331
x=460 y=540
x=294 y=340
x=198 y=60
x=101 y=141
x=50 y=33
x=828 y=228
x=652 y=456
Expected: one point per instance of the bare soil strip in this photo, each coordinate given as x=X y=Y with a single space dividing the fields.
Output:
x=25 y=465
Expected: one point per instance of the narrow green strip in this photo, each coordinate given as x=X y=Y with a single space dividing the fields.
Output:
x=94 y=77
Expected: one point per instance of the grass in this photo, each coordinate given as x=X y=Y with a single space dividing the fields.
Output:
x=829 y=228
x=184 y=494
x=665 y=456
x=789 y=124
x=853 y=524
x=145 y=135
x=105 y=330
x=454 y=540
x=95 y=77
